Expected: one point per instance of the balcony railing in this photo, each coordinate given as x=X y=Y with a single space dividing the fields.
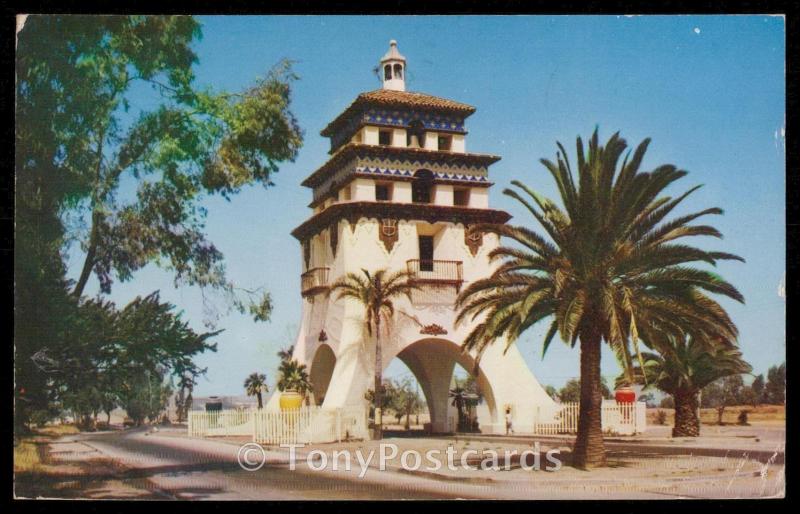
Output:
x=436 y=272
x=314 y=281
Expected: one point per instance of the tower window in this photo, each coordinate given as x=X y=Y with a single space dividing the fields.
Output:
x=415 y=130
x=398 y=71
x=461 y=197
x=387 y=72
x=383 y=192
x=385 y=137
x=445 y=142
x=421 y=187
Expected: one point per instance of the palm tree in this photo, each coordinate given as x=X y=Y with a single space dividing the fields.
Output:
x=255 y=384
x=684 y=367
x=285 y=354
x=376 y=292
x=608 y=269
x=293 y=376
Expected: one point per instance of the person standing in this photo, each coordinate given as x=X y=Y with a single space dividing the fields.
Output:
x=509 y=427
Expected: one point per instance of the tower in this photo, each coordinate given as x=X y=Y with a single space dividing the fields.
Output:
x=400 y=191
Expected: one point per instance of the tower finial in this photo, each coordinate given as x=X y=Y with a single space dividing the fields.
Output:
x=393 y=69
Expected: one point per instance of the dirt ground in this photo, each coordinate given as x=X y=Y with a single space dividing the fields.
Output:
x=45 y=467
x=762 y=414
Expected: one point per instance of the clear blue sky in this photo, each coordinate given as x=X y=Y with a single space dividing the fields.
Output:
x=709 y=91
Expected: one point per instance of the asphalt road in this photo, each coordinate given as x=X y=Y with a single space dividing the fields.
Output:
x=166 y=465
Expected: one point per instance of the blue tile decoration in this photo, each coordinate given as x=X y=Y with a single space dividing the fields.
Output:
x=400 y=119
x=368 y=170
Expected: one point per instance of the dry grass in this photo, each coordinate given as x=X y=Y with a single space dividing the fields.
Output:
x=30 y=450
x=763 y=414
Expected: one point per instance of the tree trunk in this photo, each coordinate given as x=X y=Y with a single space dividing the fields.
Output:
x=687 y=422
x=378 y=380
x=720 y=412
x=258 y=395
x=408 y=420
x=589 y=449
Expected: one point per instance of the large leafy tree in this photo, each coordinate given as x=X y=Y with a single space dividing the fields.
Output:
x=115 y=148
x=113 y=132
x=376 y=292
x=608 y=267
x=683 y=368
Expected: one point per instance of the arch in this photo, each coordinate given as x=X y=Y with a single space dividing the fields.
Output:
x=321 y=371
x=398 y=71
x=421 y=186
x=432 y=361
x=387 y=72
x=415 y=130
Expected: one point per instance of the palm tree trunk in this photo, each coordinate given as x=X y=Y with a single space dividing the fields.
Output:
x=687 y=424
x=378 y=380
x=259 y=400
x=589 y=449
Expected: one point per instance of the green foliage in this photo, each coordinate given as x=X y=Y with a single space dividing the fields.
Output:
x=608 y=261
x=293 y=376
x=759 y=388
x=144 y=396
x=648 y=399
x=571 y=392
x=667 y=403
x=687 y=366
x=115 y=148
x=376 y=293
x=255 y=384
x=775 y=389
x=722 y=393
x=661 y=417
x=404 y=400
x=78 y=130
x=551 y=391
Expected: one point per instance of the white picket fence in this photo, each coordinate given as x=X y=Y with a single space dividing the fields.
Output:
x=616 y=418
x=304 y=425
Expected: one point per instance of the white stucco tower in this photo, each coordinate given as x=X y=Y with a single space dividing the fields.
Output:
x=399 y=192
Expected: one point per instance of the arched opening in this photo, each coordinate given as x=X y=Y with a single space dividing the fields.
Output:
x=421 y=186
x=439 y=366
x=387 y=72
x=409 y=409
x=415 y=135
x=398 y=71
x=321 y=371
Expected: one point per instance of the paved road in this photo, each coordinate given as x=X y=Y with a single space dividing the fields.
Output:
x=167 y=466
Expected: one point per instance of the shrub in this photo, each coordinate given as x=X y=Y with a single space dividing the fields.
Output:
x=742 y=419
x=661 y=417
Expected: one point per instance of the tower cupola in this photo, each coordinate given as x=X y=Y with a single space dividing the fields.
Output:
x=393 y=69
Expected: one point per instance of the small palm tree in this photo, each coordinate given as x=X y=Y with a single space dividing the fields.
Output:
x=294 y=377
x=608 y=269
x=683 y=368
x=285 y=354
x=255 y=384
x=376 y=292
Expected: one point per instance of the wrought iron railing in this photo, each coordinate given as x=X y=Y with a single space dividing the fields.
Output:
x=436 y=272
x=314 y=281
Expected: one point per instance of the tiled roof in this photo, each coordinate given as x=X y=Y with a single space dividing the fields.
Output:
x=389 y=98
x=349 y=150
